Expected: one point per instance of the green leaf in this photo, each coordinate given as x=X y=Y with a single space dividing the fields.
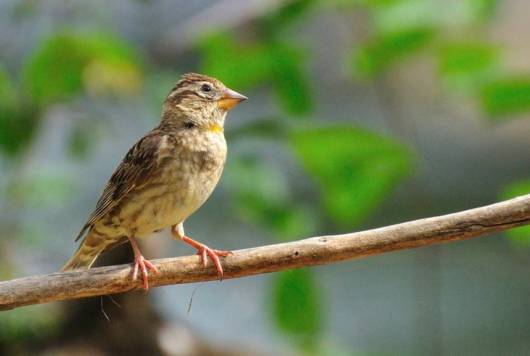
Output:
x=261 y=197
x=297 y=307
x=380 y=53
x=505 y=97
x=236 y=65
x=114 y=67
x=405 y=15
x=355 y=169
x=290 y=80
x=286 y=221
x=17 y=128
x=67 y=63
x=17 y=125
x=393 y=15
x=466 y=64
x=519 y=235
x=7 y=93
x=247 y=65
x=54 y=71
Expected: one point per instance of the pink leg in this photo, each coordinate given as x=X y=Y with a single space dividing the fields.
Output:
x=205 y=252
x=140 y=263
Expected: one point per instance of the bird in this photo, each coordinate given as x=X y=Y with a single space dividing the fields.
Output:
x=164 y=178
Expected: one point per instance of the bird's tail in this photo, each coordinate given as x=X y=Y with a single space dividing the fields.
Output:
x=87 y=252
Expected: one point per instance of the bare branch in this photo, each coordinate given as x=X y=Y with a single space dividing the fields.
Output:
x=309 y=252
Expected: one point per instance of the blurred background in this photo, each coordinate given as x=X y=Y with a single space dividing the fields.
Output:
x=361 y=113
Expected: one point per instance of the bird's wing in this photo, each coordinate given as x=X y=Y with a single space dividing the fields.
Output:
x=141 y=161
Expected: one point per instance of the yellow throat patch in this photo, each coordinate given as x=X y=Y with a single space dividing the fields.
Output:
x=215 y=128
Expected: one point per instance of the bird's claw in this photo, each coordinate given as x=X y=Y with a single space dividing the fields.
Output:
x=204 y=252
x=141 y=264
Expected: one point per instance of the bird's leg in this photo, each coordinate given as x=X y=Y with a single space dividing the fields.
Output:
x=140 y=263
x=202 y=250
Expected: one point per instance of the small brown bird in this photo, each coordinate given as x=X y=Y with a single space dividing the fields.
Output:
x=165 y=177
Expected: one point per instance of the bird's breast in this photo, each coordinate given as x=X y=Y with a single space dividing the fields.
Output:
x=182 y=185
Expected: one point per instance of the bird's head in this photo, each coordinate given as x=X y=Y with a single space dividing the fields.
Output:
x=199 y=101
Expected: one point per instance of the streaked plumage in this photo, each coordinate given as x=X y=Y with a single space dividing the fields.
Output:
x=166 y=176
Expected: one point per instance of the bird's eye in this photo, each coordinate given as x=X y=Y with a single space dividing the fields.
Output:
x=189 y=125
x=206 y=88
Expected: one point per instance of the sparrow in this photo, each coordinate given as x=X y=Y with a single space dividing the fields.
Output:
x=164 y=178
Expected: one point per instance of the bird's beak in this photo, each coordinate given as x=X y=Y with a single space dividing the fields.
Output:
x=230 y=99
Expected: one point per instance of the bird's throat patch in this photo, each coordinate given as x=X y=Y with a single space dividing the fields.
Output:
x=215 y=128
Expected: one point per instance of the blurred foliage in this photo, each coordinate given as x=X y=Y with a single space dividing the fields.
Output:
x=397 y=16
x=85 y=132
x=290 y=79
x=54 y=72
x=519 y=235
x=400 y=29
x=377 y=55
x=506 y=96
x=67 y=63
x=296 y=304
x=392 y=15
x=355 y=168
x=261 y=196
x=17 y=129
x=248 y=65
x=64 y=65
x=277 y=20
x=263 y=60
x=32 y=322
x=467 y=65
x=79 y=141
x=268 y=128
x=156 y=88
x=481 y=10
x=403 y=27
x=7 y=93
x=17 y=124
x=42 y=189
x=236 y=65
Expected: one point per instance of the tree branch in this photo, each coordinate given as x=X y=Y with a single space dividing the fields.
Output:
x=309 y=252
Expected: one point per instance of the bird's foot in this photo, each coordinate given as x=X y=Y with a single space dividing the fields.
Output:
x=142 y=265
x=205 y=252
